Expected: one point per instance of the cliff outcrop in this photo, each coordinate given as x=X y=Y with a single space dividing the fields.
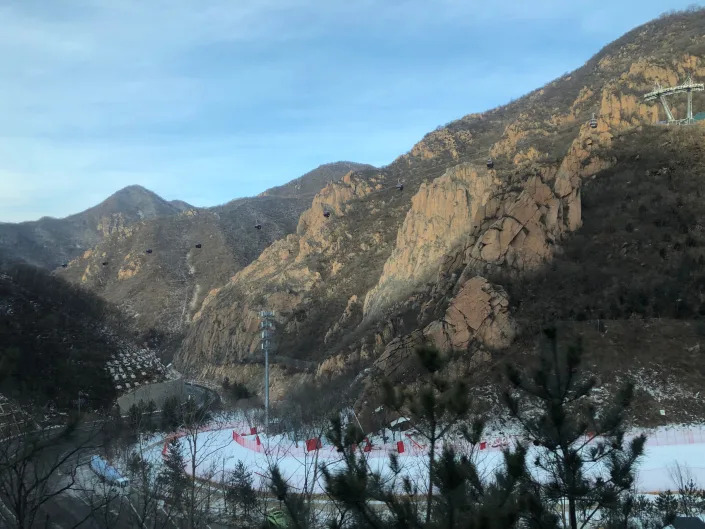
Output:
x=442 y=214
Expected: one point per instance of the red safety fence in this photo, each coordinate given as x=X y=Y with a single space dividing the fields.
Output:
x=675 y=436
x=251 y=444
x=410 y=447
x=313 y=444
x=209 y=428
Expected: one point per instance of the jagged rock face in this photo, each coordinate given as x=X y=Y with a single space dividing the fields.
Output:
x=477 y=317
x=479 y=313
x=442 y=214
x=443 y=141
x=469 y=209
x=423 y=255
x=282 y=279
x=352 y=309
x=477 y=320
x=334 y=199
x=312 y=182
x=526 y=229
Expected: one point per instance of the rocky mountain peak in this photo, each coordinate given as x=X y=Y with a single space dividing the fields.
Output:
x=161 y=270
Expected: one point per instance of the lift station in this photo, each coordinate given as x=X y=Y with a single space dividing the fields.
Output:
x=661 y=93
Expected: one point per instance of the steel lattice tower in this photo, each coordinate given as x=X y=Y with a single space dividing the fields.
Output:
x=266 y=326
x=687 y=88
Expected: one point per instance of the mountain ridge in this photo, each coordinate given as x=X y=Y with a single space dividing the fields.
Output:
x=49 y=242
x=156 y=272
x=334 y=284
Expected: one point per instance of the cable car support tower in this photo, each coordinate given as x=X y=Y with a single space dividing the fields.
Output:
x=687 y=88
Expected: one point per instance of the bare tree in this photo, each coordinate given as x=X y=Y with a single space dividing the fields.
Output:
x=434 y=408
x=39 y=465
x=107 y=503
x=691 y=496
x=202 y=448
x=148 y=510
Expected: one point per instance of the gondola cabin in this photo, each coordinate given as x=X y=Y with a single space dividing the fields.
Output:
x=593 y=122
x=258 y=226
x=490 y=163
x=105 y=263
x=198 y=245
x=149 y=250
x=326 y=213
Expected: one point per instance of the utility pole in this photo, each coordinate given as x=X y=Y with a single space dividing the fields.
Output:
x=266 y=326
x=80 y=394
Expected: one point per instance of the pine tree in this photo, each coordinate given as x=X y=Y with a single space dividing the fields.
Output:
x=294 y=506
x=667 y=506
x=507 y=501
x=356 y=486
x=170 y=414
x=240 y=494
x=433 y=409
x=463 y=499
x=173 y=476
x=580 y=447
x=134 y=415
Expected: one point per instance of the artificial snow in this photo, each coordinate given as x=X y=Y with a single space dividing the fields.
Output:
x=218 y=452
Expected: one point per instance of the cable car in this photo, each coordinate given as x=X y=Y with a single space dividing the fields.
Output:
x=198 y=245
x=490 y=163
x=326 y=213
x=149 y=250
x=400 y=185
x=105 y=263
x=593 y=121
x=65 y=265
x=258 y=226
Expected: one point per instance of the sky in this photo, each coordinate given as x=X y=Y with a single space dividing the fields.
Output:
x=209 y=100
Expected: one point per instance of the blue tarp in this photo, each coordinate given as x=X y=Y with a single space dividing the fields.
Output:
x=101 y=467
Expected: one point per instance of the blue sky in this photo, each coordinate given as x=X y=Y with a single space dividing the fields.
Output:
x=208 y=100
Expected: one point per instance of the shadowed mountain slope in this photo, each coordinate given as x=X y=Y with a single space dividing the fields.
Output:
x=55 y=340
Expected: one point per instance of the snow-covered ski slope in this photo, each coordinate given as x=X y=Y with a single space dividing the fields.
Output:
x=221 y=446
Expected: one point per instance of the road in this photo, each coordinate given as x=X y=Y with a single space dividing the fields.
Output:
x=86 y=504
x=93 y=504
x=77 y=507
